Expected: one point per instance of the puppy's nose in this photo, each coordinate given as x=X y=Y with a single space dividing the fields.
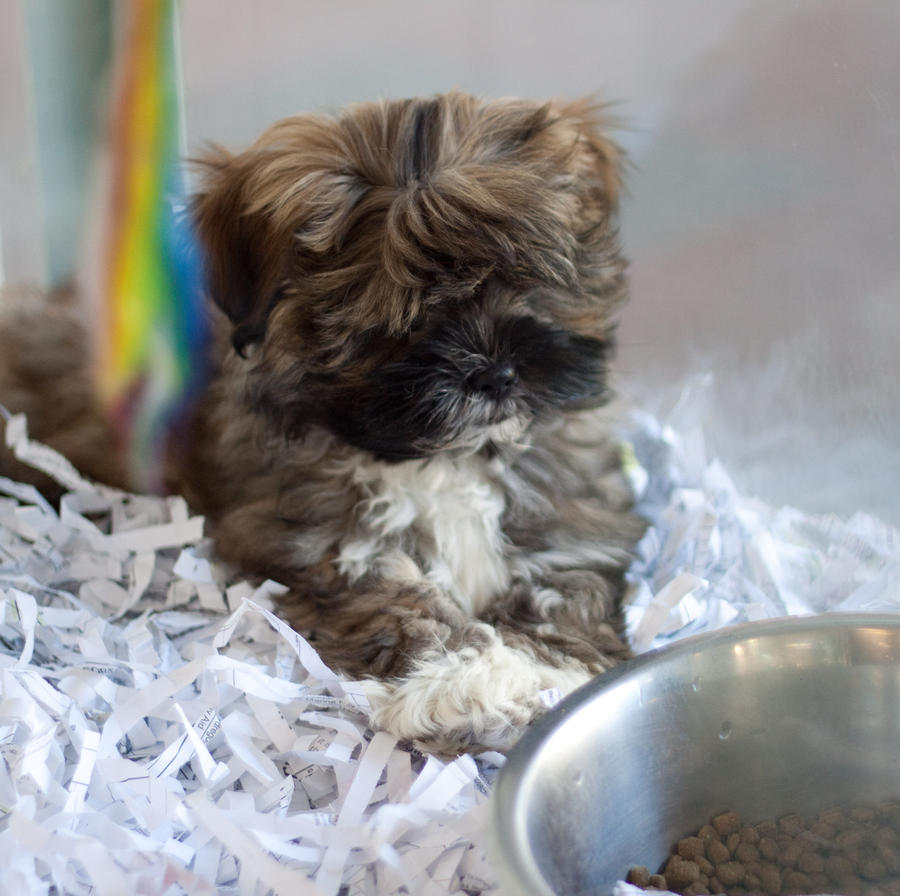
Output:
x=495 y=382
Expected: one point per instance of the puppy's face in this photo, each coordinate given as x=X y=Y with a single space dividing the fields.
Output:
x=419 y=275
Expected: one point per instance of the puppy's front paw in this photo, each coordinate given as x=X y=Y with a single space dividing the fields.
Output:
x=474 y=698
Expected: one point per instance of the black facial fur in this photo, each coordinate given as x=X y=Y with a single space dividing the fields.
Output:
x=465 y=376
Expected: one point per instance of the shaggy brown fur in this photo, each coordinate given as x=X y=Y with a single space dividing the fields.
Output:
x=414 y=306
x=45 y=374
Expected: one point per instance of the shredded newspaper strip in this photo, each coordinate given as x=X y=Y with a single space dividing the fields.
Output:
x=163 y=732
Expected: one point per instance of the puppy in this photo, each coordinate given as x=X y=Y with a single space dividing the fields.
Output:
x=414 y=307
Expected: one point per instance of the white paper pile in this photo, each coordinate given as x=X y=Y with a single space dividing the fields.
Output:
x=713 y=557
x=163 y=733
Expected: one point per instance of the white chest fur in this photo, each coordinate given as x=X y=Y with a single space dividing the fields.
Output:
x=442 y=515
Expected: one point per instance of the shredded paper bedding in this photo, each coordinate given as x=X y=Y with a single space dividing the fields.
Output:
x=163 y=732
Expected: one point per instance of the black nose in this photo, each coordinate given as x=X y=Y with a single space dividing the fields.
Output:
x=495 y=382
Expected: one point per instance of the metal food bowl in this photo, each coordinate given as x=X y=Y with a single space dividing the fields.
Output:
x=790 y=715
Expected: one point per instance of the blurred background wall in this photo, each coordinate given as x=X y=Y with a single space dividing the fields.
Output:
x=763 y=218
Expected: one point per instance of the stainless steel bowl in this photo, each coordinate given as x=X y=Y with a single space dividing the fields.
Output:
x=790 y=715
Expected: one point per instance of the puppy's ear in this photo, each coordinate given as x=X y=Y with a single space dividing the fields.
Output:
x=597 y=160
x=245 y=255
x=266 y=215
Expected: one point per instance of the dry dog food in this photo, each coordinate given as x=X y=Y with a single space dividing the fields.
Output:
x=853 y=851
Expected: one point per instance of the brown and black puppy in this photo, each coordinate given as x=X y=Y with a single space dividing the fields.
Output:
x=415 y=308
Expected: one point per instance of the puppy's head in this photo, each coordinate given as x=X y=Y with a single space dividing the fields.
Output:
x=419 y=275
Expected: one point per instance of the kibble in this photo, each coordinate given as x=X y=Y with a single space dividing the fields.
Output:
x=853 y=851
x=707 y=833
x=730 y=873
x=727 y=823
x=789 y=854
x=690 y=848
x=768 y=849
x=811 y=863
x=639 y=875
x=839 y=866
x=733 y=841
x=770 y=879
x=790 y=825
x=680 y=872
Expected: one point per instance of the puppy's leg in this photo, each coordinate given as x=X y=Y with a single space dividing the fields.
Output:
x=482 y=687
x=440 y=678
x=437 y=676
x=481 y=694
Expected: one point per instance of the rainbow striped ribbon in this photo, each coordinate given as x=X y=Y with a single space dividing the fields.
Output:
x=153 y=332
